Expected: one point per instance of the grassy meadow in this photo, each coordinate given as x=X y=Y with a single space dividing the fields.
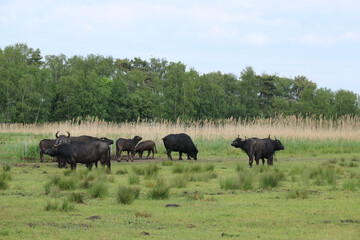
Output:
x=311 y=192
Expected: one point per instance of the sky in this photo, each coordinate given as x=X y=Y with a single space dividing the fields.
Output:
x=319 y=39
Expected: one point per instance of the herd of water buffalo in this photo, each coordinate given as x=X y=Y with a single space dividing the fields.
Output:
x=89 y=150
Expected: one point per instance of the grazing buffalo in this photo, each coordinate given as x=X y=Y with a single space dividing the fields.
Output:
x=128 y=145
x=265 y=148
x=86 y=152
x=147 y=145
x=181 y=143
x=247 y=145
x=62 y=139
x=43 y=145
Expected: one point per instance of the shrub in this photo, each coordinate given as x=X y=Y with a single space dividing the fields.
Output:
x=201 y=177
x=138 y=170
x=195 y=168
x=133 y=179
x=350 y=185
x=194 y=196
x=179 y=181
x=179 y=168
x=6 y=168
x=67 y=183
x=160 y=191
x=51 y=206
x=297 y=193
x=151 y=171
x=246 y=180
x=98 y=190
x=126 y=195
x=66 y=206
x=3 y=184
x=122 y=171
x=271 y=179
x=230 y=183
x=76 y=197
x=209 y=167
x=167 y=163
x=142 y=214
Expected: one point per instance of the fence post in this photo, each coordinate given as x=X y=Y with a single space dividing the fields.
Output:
x=25 y=146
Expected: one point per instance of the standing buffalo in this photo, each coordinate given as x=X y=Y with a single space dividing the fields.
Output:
x=128 y=145
x=247 y=145
x=265 y=148
x=147 y=145
x=43 y=145
x=86 y=152
x=181 y=143
x=258 y=148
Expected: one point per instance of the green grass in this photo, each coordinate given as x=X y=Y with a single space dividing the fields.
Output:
x=314 y=198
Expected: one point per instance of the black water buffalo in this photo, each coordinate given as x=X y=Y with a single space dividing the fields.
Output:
x=62 y=139
x=86 y=152
x=247 y=145
x=265 y=148
x=43 y=145
x=128 y=145
x=181 y=143
x=147 y=145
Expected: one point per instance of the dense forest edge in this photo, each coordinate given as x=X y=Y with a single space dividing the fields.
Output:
x=37 y=89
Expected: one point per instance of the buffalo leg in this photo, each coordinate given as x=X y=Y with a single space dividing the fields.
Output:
x=118 y=155
x=73 y=166
x=251 y=161
x=270 y=160
x=149 y=151
x=41 y=156
x=169 y=154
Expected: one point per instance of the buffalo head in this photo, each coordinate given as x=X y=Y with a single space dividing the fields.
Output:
x=61 y=139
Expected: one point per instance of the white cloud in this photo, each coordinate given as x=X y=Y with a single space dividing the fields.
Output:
x=257 y=39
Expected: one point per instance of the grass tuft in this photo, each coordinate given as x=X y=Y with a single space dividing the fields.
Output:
x=127 y=195
x=98 y=190
x=160 y=191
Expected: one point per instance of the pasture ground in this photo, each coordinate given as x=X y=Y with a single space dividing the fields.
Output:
x=314 y=197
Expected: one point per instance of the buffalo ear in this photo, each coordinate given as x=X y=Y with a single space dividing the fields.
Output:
x=56 y=134
x=68 y=134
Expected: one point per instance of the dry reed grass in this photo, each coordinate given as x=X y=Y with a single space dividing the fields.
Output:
x=284 y=127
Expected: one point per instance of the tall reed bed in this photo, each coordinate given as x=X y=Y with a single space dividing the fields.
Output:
x=284 y=127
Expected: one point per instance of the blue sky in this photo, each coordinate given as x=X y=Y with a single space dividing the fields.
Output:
x=319 y=39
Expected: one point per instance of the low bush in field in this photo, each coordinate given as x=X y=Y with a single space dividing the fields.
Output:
x=179 y=181
x=270 y=179
x=4 y=178
x=133 y=179
x=230 y=183
x=122 y=171
x=138 y=170
x=297 y=193
x=98 y=190
x=126 y=195
x=76 y=197
x=161 y=190
x=194 y=196
x=351 y=184
x=151 y=171
x=167 y=163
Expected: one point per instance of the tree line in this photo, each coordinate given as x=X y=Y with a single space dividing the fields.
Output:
x=36 y=89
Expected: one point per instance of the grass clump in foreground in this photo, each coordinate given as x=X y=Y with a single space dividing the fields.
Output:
x=127 y=195
x=98 y=190
x=271 y=179
x=161 y=190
